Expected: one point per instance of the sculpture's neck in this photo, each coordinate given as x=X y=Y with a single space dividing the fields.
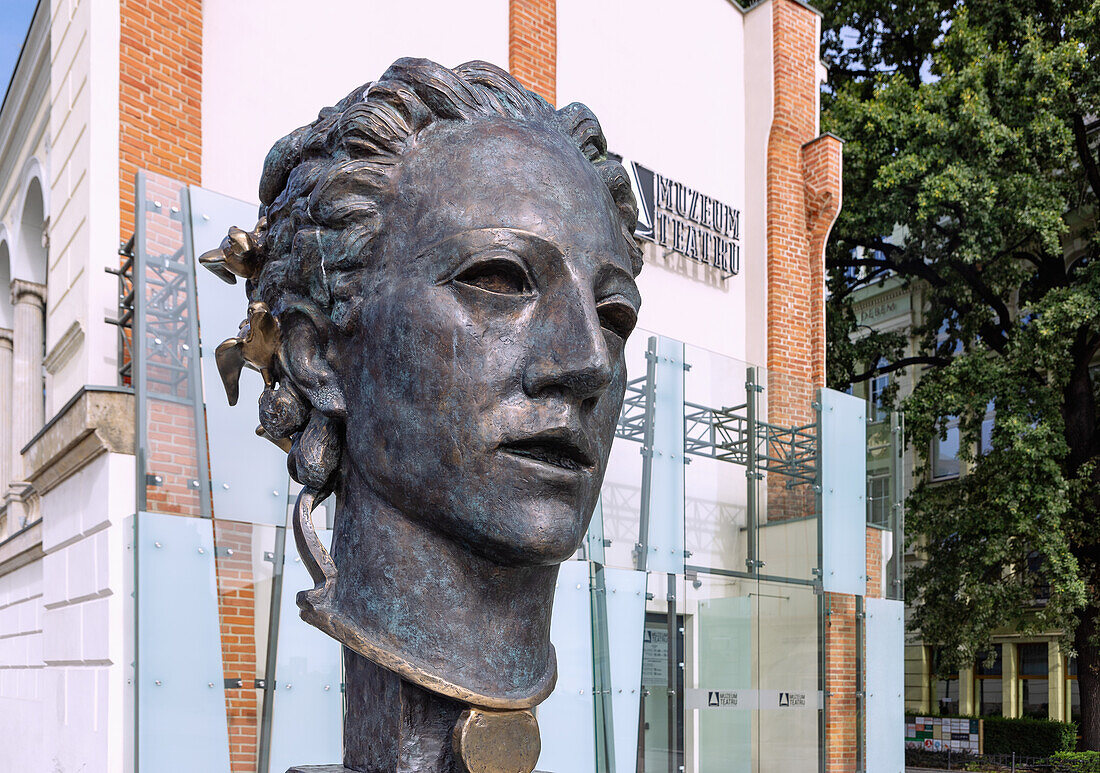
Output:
x=459 y=617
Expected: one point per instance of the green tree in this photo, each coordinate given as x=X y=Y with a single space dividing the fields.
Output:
x=971 y=169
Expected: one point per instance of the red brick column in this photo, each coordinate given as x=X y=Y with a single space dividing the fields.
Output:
x=876 y=564
x=841 y=737
x=804 y=196
x=160 y=94
x=533 y=45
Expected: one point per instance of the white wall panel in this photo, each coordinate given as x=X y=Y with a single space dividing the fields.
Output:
x=665 y=80
x=268 y=68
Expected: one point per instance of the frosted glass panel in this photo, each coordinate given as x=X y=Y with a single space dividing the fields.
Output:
x=307 y=716
x=181 y=722
x=247 y=473
x=724 y=631
x=625 y=626
x=885 y=686
x=843 y=487
x=666 y=500
x=567 y=719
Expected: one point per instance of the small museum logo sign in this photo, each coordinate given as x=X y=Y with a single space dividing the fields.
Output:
x=681 y=219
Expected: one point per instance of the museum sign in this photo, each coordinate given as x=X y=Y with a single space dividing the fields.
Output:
x=681 y=219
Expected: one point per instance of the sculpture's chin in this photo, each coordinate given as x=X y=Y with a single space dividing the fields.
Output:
x=531 y=541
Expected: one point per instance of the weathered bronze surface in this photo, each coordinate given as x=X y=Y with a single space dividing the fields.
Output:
x=441 y=284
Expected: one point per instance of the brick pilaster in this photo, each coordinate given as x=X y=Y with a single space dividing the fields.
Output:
x=533 y=45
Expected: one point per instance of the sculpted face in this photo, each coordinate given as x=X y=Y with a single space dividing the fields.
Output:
x=485 y=373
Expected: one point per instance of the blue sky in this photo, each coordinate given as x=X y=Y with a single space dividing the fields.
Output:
x=15 y=19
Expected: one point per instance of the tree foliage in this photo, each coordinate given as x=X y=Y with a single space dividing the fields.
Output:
x=971 y=173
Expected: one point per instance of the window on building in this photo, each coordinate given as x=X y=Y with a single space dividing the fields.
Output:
x=946 y=699
x=878 y=498
x=987 y=430
x=990 y=686
x=877 y=410
x=945 y=451
x=1034 y=683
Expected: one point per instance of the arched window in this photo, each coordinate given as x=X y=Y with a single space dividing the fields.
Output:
x=29 y=265
x=6 y=323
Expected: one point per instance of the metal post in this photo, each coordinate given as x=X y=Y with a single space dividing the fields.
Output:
x=822 y=662
x=267 y=709
x=751 y=473
x=141 y=407
x=673 y=677
x=601 y=671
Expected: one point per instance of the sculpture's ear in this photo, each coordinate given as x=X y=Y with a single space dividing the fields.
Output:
x=302 y=358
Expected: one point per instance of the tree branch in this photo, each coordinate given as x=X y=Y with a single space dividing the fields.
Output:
x=904 y=362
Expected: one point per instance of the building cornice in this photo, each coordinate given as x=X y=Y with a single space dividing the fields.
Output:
x=95 y=421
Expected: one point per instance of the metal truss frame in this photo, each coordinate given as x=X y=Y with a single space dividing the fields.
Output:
x=728 y=434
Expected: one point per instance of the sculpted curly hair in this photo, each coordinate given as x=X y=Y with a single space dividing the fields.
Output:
x=325 y=190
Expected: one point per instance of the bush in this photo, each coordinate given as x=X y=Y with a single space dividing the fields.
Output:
x=1029 y=737
x=1076 y=762
x=920 y=758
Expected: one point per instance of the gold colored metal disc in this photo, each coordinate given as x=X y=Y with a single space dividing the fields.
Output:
x=497 y=741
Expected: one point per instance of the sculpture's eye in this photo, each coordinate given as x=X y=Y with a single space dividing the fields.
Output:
x=497 y=275
x=618 y=316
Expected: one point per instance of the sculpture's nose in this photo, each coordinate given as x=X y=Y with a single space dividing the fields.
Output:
x=568 y=351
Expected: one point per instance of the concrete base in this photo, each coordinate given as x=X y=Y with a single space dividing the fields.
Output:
x=320 y=769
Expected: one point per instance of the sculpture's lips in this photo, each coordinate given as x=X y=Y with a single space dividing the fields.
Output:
x=557 y=448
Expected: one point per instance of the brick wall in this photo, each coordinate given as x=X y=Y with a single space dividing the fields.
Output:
x=875 y=562
x=803 y=200
x=841 y=738
x=160 y=93
x=533 y=45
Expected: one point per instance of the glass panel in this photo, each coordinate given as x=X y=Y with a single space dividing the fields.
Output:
x=945 y=452
x=248 y=473
x=843 y=486
x=885 y=685
x=1074 y=700
x=567 y=719
x=307 y=711
x=947 y=696
x=717 y=494
x=720 y=695
x=171 y=442
x=624 y=591
x=788 y=459
x=665 y=512
x=787 y=644
x=995 y=664
x=1036 y=698
x=621 y=495
x=180 y=713
x=246 y=558
x=1033 y=659
x=663 y=721
x=990 y=697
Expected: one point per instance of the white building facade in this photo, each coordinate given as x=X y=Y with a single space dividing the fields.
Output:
x=712 y=107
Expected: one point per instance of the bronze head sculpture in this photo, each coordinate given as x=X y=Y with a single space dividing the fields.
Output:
x=440 y=287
